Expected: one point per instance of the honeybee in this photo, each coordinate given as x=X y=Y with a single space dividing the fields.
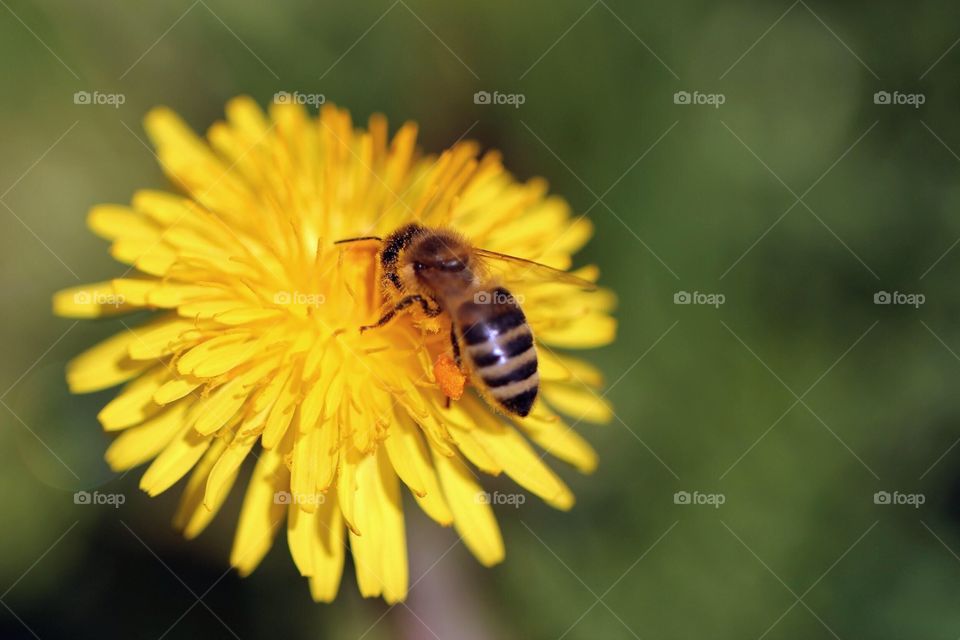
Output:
x=440 y=272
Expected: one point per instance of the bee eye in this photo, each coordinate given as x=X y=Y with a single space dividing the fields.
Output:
x=452 y=265
x=419 y=266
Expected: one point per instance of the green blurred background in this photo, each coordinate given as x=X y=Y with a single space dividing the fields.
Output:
x=796 y=400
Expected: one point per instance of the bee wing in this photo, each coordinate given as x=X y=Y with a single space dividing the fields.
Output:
x=517 y=269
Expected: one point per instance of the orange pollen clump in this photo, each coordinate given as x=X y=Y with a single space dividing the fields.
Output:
x=449 y=376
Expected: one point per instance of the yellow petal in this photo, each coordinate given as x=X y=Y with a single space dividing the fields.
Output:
x=141 y=443
x=245 y=116
x=215 y=411
x=303 y=476
x=578 y=402
x=329 y=551
x=261 y=512
x=90 y=301
x=194 y=513
x=587 y=332
x=175 y=389
x=205 y=309
x=518 y=459
x=135 y=290
x=554 y=367
x=347 y=487
x=386 y=491
x=301 y=537
x=558 y=439
x=313 y=401
x=328 y=454
x=149 y=255
x=223 y=472
x=104 y=365
x=380 y=554
x=402 y=448
x=164 y=208
x=281 y=413
x=188 y=160
x=174 y=461
x=314 y=357
x=216 y=355
x=413 y=400
x=168 y=295
x=461 y=422
x=433 y=502
x=113 y=221
x=135 y=403
x=269 y=392
x=472 y=516
x=575 y=235
x=167 y=129
x=161 y=337
x=317 y=544
x=475 y=452
x=247 y=315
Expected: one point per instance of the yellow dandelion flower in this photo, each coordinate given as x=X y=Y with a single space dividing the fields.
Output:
x=254 y=348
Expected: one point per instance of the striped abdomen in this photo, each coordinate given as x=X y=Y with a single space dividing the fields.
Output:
x=498 y=343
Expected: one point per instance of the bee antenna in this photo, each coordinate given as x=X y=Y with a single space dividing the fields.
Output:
x=358 y=239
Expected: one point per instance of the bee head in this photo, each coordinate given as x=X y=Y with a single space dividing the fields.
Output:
x=440 y=258
x=440 y=253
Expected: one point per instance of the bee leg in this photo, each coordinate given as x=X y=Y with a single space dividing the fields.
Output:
x=455 y=345
x=400 y=306
x=456 y=352
x=431 y=313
